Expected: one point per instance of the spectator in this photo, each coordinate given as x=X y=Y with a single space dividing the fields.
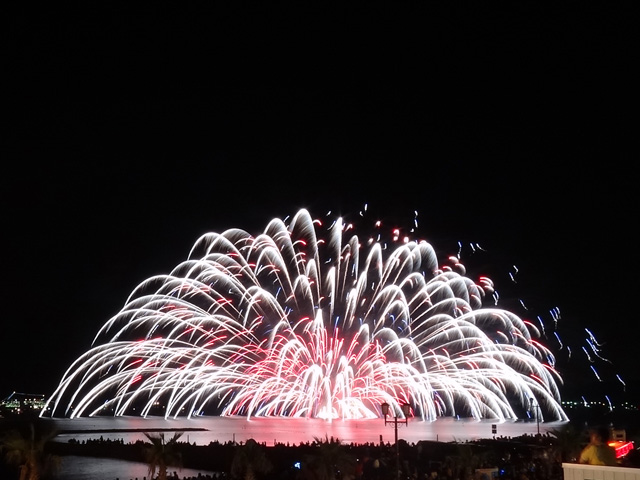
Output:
x=598 y=452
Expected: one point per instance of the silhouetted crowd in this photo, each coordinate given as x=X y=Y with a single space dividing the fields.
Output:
x=529 y=457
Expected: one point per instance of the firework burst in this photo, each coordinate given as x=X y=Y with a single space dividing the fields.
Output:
x=287 y=323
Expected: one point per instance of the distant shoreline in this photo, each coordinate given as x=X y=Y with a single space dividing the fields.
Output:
x=131 y=430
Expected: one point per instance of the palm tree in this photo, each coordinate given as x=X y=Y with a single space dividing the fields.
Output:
x=569 y=440
x=249 y=461
x=160 y=454
x=330 y=461
x=25 y=448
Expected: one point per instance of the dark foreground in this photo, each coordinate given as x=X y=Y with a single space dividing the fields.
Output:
x=529 y=457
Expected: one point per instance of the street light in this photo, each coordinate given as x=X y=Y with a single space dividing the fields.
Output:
x=535 y=412
x=386 y=410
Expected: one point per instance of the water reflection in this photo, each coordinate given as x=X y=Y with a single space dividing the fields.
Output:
x=203 y=430
x=89 y=468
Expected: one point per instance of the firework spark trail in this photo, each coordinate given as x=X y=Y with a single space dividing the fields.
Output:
x=289 y=324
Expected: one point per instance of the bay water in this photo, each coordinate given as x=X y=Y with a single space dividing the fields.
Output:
x=269 y=431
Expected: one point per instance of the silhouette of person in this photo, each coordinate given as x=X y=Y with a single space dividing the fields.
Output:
x=598 y=452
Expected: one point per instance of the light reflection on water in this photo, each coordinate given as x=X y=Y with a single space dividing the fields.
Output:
x=89 y=468
x=264 y=430
x=295 y=430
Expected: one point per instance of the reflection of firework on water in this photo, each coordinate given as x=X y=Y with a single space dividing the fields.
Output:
x=290 y=324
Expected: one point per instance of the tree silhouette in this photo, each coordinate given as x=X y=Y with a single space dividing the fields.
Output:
x=569 y=440
x=329 y=461
x=250 y=461
x=160 y=454
x=24 y=447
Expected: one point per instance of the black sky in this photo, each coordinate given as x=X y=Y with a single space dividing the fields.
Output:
x=129 y=132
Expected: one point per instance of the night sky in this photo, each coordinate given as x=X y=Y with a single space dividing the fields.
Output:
x=129 y=132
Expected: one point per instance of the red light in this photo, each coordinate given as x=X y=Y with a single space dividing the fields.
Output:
x=622 y=448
